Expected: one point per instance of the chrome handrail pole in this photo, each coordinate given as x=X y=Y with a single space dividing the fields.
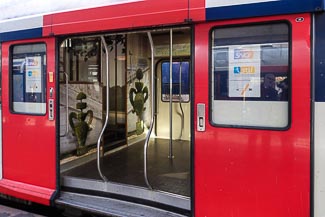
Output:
x=67 y=104
x=180 y=99
x=171 y=95
x=107 y=113
x=146 y=144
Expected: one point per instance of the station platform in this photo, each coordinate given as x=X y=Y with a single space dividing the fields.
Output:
x=6 y=211
x=10 y=208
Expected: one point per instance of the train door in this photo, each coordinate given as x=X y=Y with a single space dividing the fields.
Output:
x=252 y=126
x=29 y=120
x=123 y=83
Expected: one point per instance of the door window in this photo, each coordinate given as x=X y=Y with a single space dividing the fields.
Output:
x=28 y=79
x=250 y=76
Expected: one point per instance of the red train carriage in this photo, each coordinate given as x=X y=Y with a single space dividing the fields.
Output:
x=174 y=108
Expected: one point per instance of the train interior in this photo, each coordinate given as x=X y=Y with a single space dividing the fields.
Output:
x=125 y=116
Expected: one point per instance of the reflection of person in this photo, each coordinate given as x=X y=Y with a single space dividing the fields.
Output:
x=268 y=91
x=18 y=94
x=283 y=93
x=32 y=97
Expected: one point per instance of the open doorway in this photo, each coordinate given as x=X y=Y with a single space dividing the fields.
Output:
x=127 y=152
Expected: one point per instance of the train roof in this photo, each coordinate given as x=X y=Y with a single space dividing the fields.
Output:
x=34 y=18
x=227 y=9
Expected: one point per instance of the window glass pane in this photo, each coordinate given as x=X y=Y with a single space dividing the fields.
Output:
x=80 y=58
x=181 y=81
x=250 y=76
x=28 y=71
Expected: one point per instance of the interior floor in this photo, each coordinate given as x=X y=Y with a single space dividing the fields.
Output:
x=126 y=166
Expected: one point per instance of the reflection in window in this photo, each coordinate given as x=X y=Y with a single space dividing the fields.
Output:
x=264 y=77
x=250 y=76
x=180 y=79
x=28 y=84
x=81 y=58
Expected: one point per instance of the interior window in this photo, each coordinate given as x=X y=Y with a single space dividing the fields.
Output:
x=28 y=79
x=180 y=81
x=250 y=76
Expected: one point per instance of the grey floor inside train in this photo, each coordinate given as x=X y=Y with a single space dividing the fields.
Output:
x=126 y=166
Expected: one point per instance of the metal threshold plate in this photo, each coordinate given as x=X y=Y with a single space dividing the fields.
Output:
x=108 y=206
x=165 y=198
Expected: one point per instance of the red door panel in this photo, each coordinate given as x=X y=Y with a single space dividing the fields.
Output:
x=255 y=172
x=29 y=147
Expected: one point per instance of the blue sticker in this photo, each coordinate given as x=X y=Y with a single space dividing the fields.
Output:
x=237 y=70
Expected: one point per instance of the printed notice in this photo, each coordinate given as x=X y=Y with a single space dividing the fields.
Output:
x=244 y=71
x=33 y=74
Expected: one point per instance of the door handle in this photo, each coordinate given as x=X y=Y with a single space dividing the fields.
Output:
x=200 y=117
x=51 y=92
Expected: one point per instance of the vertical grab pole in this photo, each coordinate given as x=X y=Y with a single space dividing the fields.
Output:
x=180 y=98
x=152 y=112
x=67 y=104
x=67 y=101
x=171 y=95
x=107 y=113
